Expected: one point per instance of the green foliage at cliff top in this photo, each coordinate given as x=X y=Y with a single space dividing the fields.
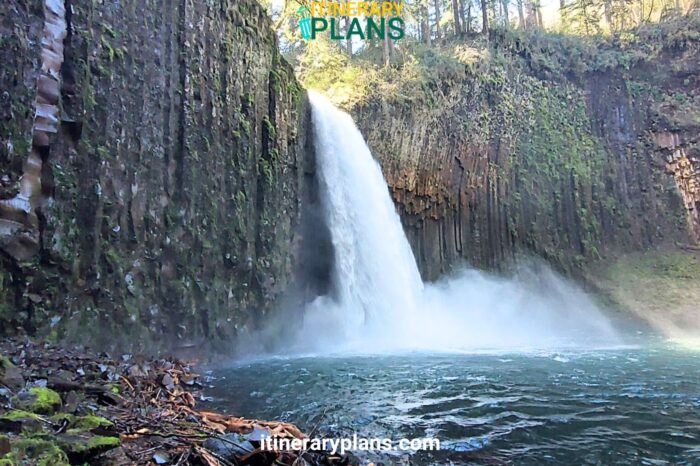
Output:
x=416 y=67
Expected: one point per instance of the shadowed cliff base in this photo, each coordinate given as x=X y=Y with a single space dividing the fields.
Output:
x=659 y=286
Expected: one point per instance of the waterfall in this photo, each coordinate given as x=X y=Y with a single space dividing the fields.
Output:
x=379 y=301
x=376 y=280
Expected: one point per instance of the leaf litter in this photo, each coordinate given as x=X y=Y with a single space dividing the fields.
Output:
x=93 y=408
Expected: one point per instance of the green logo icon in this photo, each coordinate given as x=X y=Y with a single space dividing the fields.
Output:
x=304 y=22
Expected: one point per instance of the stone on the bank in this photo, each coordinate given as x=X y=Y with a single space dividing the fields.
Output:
x=39 y=400
x=81 y=447
x=229 y=446
x=20 y=421
x=10 y=376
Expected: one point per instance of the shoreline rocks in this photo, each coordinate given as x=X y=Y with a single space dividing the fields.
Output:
x=61 y=406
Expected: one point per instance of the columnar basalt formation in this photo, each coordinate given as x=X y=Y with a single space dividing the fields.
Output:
x=19 y=224
x=180 y=167
x=571 y=155
x=683 y=162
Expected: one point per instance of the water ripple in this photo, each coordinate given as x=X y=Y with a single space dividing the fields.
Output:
x=626 y=407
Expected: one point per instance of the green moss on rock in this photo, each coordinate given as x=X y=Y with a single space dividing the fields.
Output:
x=19 y=415
x=21 y=421
x=102 y=442
x=84 y=446
x=36 y=451
x=91 y=422
x=47 y=401
x=5 y=363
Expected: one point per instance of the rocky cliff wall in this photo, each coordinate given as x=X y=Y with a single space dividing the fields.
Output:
x=170 y=179
x=543 y=145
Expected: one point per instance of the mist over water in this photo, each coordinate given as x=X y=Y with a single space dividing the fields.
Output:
x=379 y=302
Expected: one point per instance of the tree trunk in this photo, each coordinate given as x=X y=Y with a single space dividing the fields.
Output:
x=469 y=16
x=607 y=12
x=455 y=14
x=386 y=49
x=437 y=19
x=506 y=16
x=521 y=15
x=463 y=23
x=484 y=18
x=425 y=24
x=532 y=15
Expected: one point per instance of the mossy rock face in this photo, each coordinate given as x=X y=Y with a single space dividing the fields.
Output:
x=47 y=401
x=81 y=447
x=39 y=400
x=222 y=231
x=35 y=451
x=492 y=151
x=20 y=421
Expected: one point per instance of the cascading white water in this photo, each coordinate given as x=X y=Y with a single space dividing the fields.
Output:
x=376 y=280
x=379 y=301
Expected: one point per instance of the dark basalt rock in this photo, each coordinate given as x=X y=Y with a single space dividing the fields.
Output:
x=175 y=187
x=506 y=160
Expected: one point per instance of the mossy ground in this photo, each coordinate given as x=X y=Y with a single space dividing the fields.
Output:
x=41 y=447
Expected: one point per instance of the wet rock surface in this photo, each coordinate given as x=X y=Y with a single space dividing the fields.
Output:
x=174 y=180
